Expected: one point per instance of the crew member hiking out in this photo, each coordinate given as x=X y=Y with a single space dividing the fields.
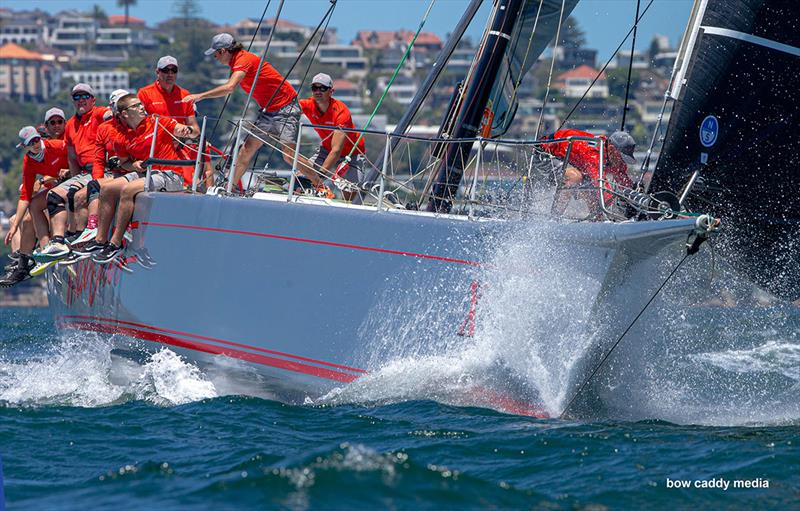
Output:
x=279 y=117
x=79 y=135
x=324 y=110
x=135 y=148
x=42 y=158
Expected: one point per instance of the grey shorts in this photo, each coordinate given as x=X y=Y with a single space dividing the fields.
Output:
x=78 y=182
x=354 y=174
x=282 y=124
x=165 y=181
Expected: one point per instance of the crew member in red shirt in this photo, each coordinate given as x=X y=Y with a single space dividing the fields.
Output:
x=584 y=163
x=135 y=147
x=42 y=158
x=79 y=134
x=105 y=167
x=54 y=123
x=280 y=112
x=165 y=99
x=335 y=156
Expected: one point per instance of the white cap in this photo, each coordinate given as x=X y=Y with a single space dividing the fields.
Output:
x=27 y=134
x=322 y=79
x=114 y=97
x=54 y=112
x=83 y=87
x=219 y=42
x=167 y=60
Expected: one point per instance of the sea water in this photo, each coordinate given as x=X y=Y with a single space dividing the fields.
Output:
x=81 y=429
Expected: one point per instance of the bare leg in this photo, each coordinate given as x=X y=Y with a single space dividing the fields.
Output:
x=125 y=209
x=58 y=222
x=27 y=236
x=81 y=212
x=246 y=153
x=107 y=205
x=41 y=224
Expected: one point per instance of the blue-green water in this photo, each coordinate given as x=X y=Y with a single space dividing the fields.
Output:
x=72 y=437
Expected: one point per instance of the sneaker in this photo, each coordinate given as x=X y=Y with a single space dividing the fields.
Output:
x=14 y=256
x=52 y=252
x=71 y=259
x=109 y=253
x=324 y=192
x=144 y=259
x=85 y=237
x=17 y=274
x=41 y=268
x=89 y=249
x=71 y=237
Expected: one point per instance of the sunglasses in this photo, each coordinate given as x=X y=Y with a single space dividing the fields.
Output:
x=33 y=142
x=169 y=70
x=55 y=122
x=138 y=106
x=78 y=97
x=320 y=88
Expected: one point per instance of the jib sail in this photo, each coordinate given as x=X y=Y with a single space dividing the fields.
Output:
x=735 y=125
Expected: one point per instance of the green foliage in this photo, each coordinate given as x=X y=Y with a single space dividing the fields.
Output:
x=15 y=116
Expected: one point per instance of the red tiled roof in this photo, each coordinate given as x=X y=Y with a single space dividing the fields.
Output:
x=381 y=39
x=119 y=19
x=583 y=71
x=344 y=84
x=14 y=51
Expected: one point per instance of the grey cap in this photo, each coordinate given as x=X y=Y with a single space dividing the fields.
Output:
x=220 y=42
x=54 y=112
x=83 y=87
x=625 y=143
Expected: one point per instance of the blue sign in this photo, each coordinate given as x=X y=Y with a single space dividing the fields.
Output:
x=709 y=130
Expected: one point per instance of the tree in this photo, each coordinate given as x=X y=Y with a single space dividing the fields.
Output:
x=98 y=15
x=187 y=11
x=126 y=4
x=572 y=35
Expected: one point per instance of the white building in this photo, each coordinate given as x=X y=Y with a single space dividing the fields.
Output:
x=103 y=82
x=351 y=58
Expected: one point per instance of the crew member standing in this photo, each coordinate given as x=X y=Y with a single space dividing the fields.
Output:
x=280 y=112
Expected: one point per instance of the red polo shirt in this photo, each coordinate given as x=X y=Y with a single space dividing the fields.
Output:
x=158 y=101
x=55 y=159
x=268 y=81
x=337 y=115
x=137 y=142
x=80 y=134
x=110 y=136
x=587 y=158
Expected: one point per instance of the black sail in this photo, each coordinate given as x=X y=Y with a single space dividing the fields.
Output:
x=742 y=86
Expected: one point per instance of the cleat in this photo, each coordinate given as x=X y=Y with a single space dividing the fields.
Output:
x=52 y=252
x=41 y=268
x=85 y=237
x=109 y=253
x=324 y=192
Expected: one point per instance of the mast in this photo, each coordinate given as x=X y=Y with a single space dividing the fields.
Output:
x=476 y=95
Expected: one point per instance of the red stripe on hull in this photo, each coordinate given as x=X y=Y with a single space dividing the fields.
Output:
x=205 y=338
x=316 y=242
x=216 y=350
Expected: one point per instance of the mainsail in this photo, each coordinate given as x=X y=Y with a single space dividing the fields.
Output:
x=735 y=126
x=535 y=29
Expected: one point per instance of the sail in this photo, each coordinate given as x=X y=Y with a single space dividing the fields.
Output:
x=736 y=122
x=533 y=32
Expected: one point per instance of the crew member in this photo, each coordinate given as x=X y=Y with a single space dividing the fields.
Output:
x=280 y=112
x=42 y=158
x=79 y=134
x=135 y=147
x=335 y=156
x=165 y=98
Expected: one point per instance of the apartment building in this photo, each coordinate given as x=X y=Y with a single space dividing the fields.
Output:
x=24 y=75
x=103 y=82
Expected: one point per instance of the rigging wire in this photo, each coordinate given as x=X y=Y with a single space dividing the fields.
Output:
x=604 y=67
x=619 y=339
x=228 y=97
x=630 y=67
x=550 y=76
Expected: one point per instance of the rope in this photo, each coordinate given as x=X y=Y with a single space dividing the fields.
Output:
x=391 y=80
x=252 y=39
x=604 y=67
x=619 y=339
x=550 y=76
x=630 y=66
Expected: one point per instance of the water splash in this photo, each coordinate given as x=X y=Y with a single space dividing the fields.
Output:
x=79 y=370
